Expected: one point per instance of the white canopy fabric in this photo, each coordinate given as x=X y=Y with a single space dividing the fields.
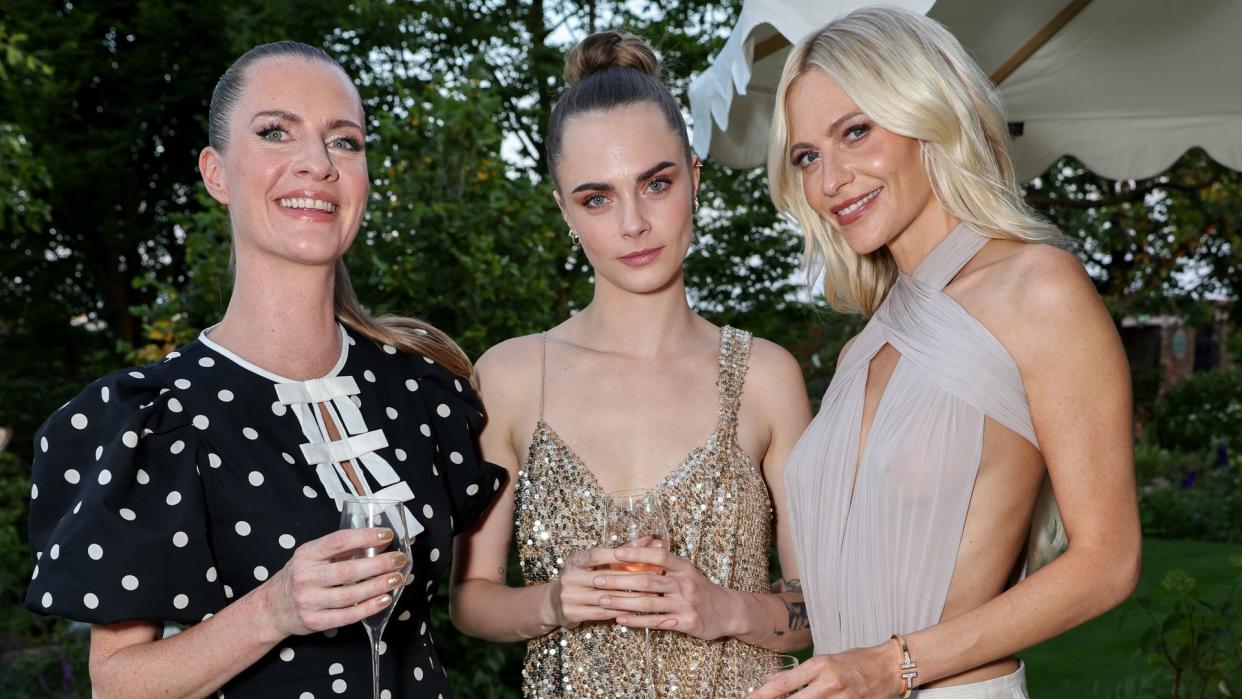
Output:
x=1126 y=86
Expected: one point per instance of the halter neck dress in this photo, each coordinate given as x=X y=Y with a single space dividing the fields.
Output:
x=719 y=517
x=877 y=553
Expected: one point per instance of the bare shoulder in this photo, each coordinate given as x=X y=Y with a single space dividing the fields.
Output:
x=774 y=381
x=1045 y=305
x=1045 y=284
x=508 y=373
x=773 y=365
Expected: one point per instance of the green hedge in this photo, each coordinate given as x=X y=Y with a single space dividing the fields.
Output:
x=1200 y=411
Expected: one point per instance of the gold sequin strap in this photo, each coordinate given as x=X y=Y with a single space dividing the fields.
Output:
x=543 y=367
x=734 y=358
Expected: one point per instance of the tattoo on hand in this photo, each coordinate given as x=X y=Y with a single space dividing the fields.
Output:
x=797 y=615
x=501 y=573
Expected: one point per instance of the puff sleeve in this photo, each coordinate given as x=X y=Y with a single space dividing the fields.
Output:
x=118 y=521
x=456 y=419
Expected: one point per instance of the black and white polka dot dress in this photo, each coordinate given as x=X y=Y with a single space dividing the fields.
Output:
x=166 y=492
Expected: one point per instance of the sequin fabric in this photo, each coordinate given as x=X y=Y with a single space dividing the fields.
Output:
x=720 y=518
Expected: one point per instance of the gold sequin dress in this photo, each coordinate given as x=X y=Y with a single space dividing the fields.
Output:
x=719 y=517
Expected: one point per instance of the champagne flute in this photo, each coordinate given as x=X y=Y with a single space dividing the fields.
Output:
x=362 y=512
x=766 y=664
x=636 y=518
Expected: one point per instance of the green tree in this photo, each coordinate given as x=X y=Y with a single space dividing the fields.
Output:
x=1161 y=244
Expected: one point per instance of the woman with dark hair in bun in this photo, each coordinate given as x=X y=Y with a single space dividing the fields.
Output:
x=636 y=391
x=205 y=489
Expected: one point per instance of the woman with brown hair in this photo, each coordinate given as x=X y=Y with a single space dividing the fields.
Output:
x=205 y=489
x=618 y=397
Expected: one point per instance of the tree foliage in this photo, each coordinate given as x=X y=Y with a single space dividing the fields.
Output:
x=1159 y=245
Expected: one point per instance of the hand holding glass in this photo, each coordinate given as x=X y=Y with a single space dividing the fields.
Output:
x=364 y=513
x=636 y=518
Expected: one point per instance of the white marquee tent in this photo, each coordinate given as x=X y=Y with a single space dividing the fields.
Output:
x=1126 y=86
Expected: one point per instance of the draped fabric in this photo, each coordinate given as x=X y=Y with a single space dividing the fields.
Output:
x=877 y=553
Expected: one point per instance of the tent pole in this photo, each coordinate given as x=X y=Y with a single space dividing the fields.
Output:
x=768 y=46
x=1040 y=38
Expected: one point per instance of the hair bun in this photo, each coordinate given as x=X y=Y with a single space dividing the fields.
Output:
x=610 y=49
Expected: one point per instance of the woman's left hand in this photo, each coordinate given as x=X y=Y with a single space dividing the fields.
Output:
x=862 y=673
x=679 y=599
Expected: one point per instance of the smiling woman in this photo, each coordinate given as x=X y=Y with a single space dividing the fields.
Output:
x=206 y=489
x=989 y=377
x=644 y=393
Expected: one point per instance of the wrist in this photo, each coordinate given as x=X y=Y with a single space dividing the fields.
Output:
x=267 y=630
x=736 y=621
x=902 y=667
x=549 y=619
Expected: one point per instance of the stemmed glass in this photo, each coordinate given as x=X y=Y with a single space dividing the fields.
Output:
x=636 y=518
x=364 y=513
x=762 y=666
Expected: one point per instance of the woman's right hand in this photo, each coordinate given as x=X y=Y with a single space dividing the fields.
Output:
x=318 y=590
x=574 y=597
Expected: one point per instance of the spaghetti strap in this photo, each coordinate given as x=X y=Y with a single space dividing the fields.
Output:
x=543 y=368
x=731 y=375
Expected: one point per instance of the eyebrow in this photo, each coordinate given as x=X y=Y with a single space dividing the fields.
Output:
x=831 y=129
x=295 y=119
x=644 y=175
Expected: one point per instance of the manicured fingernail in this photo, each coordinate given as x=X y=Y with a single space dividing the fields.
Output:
x=599 y=581
x=383 y=601
x=623 y=620
x=622 y=553
x=385 y=534
x=394 y=580
x=668 y=623
x=605 y=601
x=399 y=560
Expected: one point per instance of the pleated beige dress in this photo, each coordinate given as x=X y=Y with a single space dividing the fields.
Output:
x=877 y=554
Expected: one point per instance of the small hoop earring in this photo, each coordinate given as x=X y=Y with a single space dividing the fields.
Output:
x=574 y=239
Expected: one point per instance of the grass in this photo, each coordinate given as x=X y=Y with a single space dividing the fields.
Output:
x=1102 y=657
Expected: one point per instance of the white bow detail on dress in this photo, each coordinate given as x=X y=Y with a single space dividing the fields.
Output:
x=357 y=444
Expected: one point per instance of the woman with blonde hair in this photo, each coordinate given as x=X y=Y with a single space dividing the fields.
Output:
x=635 y=391
x=989 y=364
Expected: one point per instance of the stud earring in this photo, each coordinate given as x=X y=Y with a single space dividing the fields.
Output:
x=574 y=239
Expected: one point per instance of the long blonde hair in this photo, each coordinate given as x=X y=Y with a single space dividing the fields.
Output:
x=409 y=335
x=912 y=77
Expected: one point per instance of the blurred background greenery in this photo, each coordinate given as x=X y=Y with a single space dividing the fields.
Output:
x=112 y=255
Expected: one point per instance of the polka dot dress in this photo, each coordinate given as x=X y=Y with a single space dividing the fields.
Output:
x=164 y=493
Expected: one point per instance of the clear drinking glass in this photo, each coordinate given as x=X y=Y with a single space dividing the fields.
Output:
x=764 y=665
x=364 y=513
x=636 y=518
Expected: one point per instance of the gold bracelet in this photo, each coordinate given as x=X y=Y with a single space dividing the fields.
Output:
x=908 y=666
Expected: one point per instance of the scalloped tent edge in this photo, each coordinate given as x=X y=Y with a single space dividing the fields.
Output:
x=1124 y=86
